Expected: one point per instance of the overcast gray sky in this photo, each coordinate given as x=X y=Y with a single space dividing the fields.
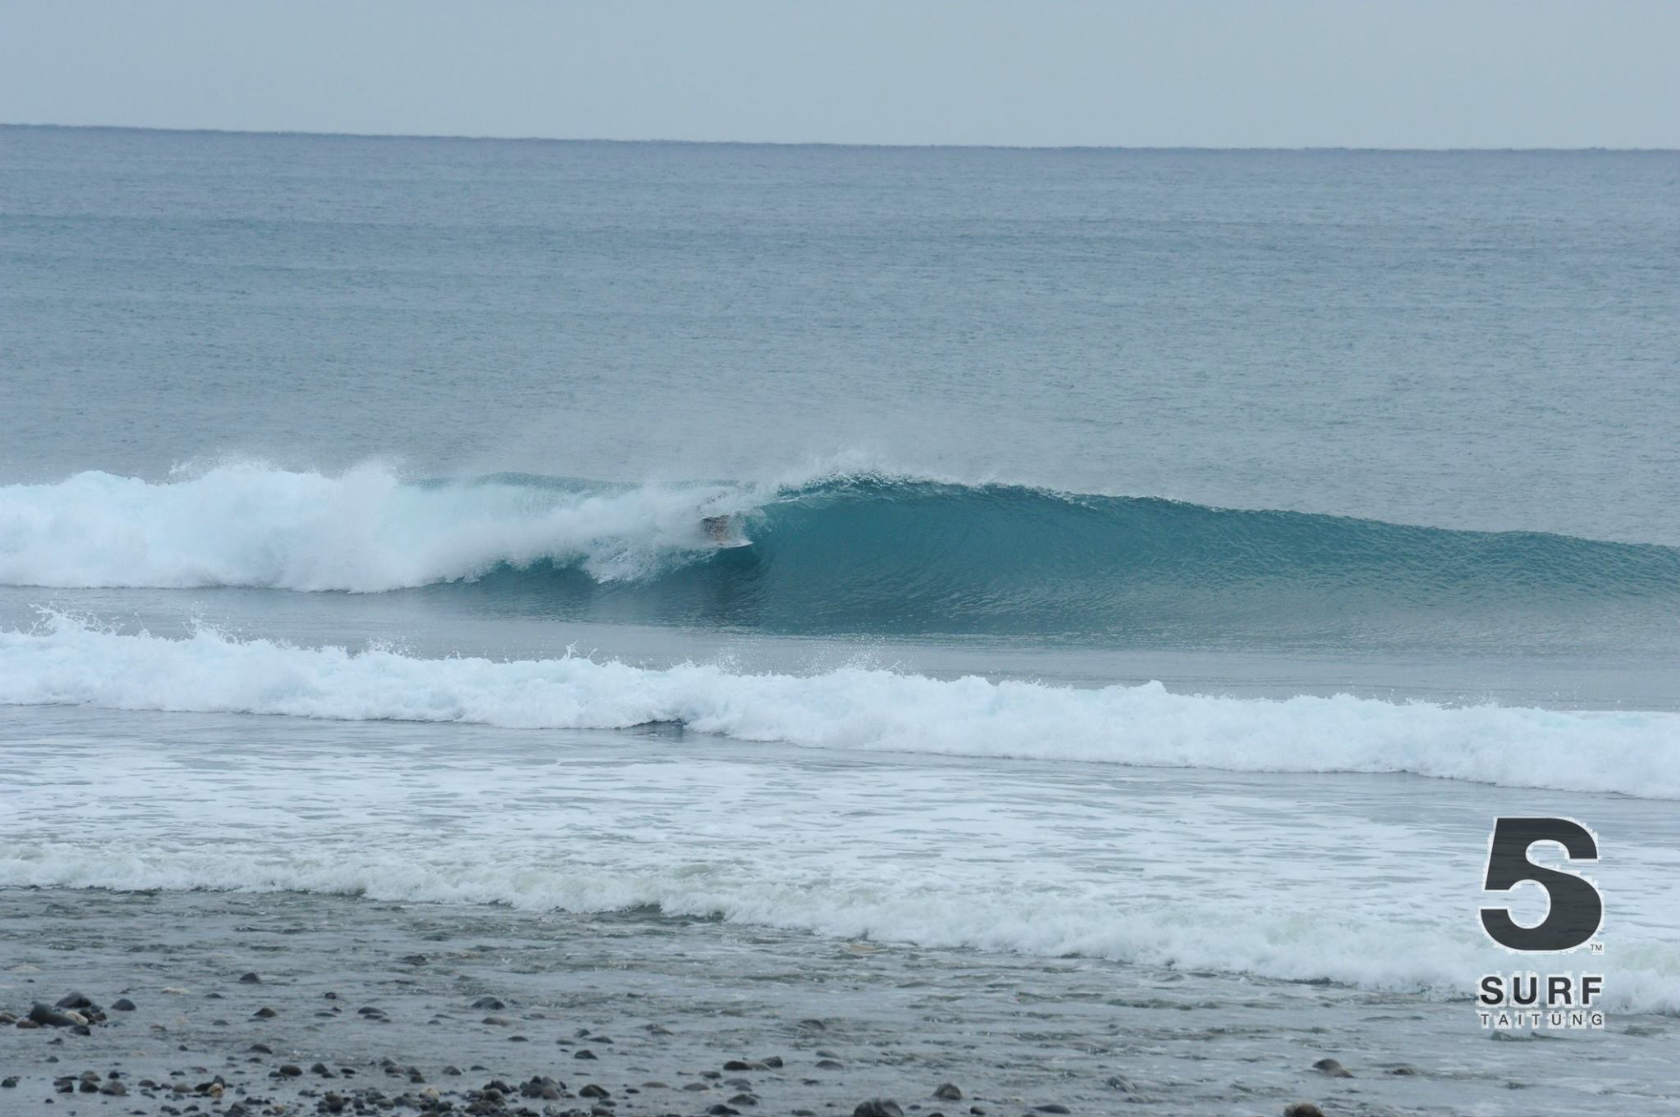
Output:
x=1410 y=73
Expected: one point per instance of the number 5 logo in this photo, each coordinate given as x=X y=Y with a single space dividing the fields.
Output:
x=1575 y=909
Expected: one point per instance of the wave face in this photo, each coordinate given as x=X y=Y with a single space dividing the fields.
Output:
x=66 y=662
x=849 y=554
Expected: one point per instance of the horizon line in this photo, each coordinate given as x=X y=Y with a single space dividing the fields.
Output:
x=492 y=138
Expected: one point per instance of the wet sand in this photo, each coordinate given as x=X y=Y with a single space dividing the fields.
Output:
x=287 y=1003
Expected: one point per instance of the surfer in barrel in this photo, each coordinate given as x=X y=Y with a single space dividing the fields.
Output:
x=716 y=528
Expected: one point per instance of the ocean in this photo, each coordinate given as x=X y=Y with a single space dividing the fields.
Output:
x=1145 y=567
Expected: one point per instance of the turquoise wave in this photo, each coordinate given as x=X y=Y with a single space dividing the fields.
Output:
x=879 y=555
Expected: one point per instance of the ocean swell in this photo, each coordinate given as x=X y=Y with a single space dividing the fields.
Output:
x=861 y=554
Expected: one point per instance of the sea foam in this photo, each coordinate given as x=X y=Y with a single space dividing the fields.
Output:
x=1636 y=753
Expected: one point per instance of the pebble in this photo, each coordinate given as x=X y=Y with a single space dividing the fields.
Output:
x=45 y=1014
x=249 y=979
x=264 y=1013
x=878 y=1107
x=593 y=1091
x=1303 y=1109
x=123 y=1004
x=949 y=1091
x=583 y=1053
x=1332 y=1068
x=9 y=1083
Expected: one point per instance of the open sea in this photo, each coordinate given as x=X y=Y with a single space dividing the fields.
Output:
x=1171 y=561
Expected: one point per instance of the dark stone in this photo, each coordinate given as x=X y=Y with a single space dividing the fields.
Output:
x=1052 y=1108
x=264 y=1013
x=291 y=1070
x=323 y=1070
x=721 y=1111
x=1404 y=1068
x=249 y=979
x=44 y=1014
x=1303 y=1109
x=9 y=1083
x=260 y=1049
x=744 y=1064
x=76 y=1000
x=948 y=1092
x=743 y=1099
x=415 y=959
x=1122 y=1083
x=490 y=1004
x=830 y=1064
x=774 y=1061
x=452 y=1071
x=123 y=1005
x=114 y=1090
x=878 y=1107
x=593 y=1091
x=1332 y=1068
x=583 y=1053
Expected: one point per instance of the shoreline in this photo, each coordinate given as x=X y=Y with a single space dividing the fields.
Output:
x=288 y=1003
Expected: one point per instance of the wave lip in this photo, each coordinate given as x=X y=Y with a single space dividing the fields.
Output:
x=1637 y=754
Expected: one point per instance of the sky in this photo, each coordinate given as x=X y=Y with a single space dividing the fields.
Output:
x=1284 y=73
